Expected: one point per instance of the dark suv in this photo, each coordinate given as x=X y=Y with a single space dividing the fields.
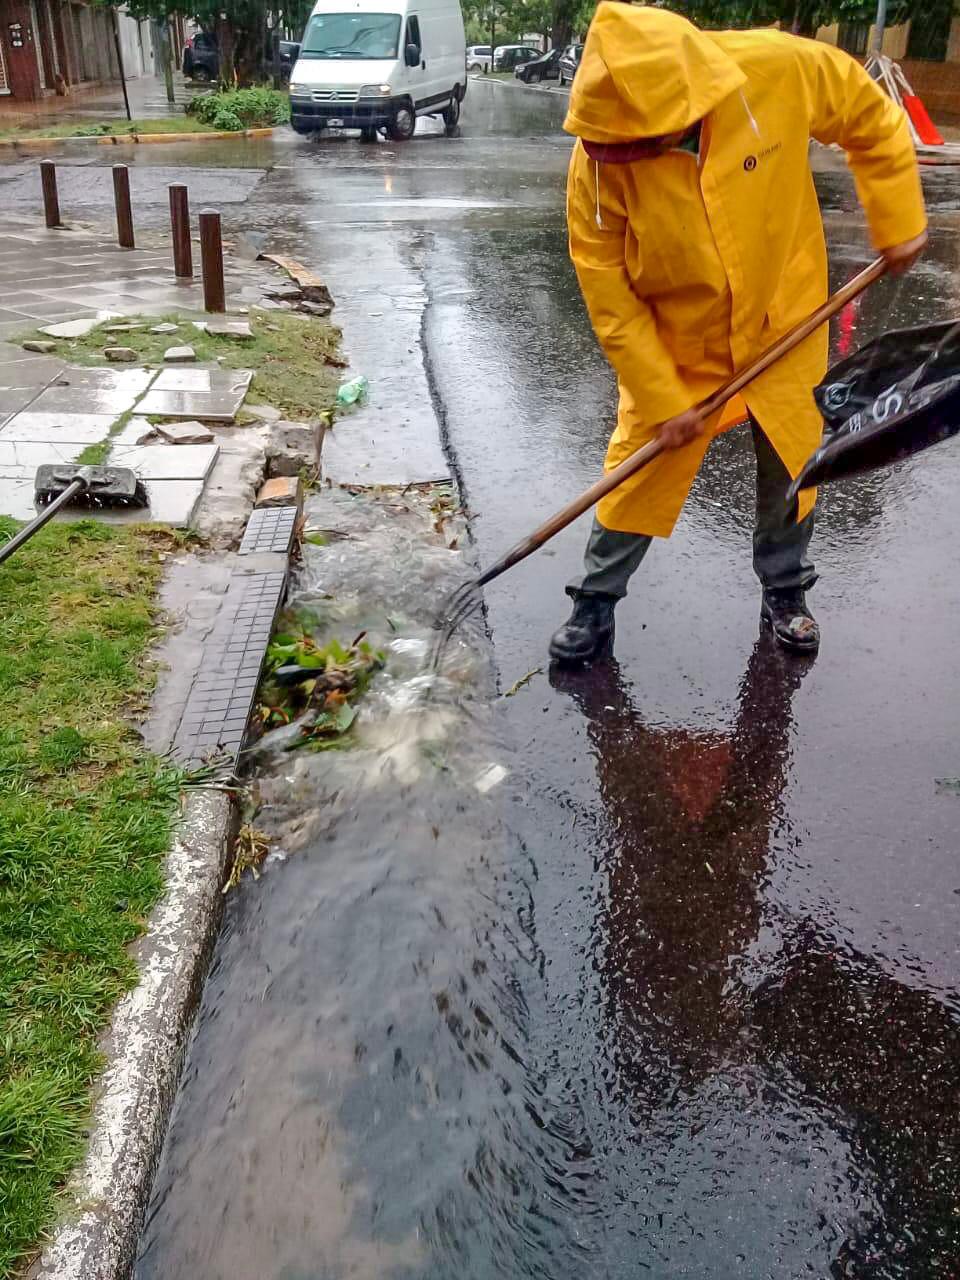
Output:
x=201 y=57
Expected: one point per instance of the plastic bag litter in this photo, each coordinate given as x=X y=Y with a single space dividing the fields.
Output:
x=893 y=398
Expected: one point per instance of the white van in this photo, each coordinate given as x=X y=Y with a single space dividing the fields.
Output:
x=378 y=64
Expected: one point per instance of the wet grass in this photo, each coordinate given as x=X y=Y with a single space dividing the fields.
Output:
x=85 y=820
x=109 y=128
x=294 y=357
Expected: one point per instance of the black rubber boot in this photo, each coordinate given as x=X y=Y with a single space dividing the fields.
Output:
x=794 y=626
x=587 y=633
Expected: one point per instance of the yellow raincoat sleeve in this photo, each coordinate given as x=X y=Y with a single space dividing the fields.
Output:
x=623 y=322
x=846 y=107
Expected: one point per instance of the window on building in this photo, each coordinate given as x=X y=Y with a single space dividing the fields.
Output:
x=853 y=37
x=930 y=32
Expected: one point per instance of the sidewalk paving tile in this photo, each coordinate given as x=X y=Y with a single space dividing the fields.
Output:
x=27 y=455
x=166 y=461
x=110 y=392
x=13 y=399
x=58 y=428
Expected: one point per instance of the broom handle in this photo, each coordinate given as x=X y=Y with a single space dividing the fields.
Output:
x=644 y=455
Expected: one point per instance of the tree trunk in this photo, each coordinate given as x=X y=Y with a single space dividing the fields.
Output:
x=806 y=18
x=226 y=43
x=493 y=40
x=561 y=33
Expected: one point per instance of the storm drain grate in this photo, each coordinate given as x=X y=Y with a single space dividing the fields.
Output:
x=215 y=718
x=269 y=529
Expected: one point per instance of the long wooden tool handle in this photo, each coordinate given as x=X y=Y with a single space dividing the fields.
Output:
x=630 y=466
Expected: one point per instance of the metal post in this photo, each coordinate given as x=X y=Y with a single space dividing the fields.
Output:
x=123 y=78
x=121 y=198
x=51 y=201
x=180 y=229
x=880 y=26
x=211 y=262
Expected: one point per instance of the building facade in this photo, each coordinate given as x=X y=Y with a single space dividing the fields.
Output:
x=53 y=46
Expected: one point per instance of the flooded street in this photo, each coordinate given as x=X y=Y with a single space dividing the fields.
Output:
x=672 y=991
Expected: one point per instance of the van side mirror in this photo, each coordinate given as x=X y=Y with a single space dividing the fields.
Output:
x=412 y=55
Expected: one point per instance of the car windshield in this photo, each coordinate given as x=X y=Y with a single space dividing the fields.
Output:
x=360 y=36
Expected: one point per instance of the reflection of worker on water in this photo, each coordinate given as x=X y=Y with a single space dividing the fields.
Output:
x=697 y=240
x=692 y=817
x=691 y=813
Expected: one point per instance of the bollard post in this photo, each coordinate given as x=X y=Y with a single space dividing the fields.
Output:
x=51 y=201
x=211 y=262
x=180 y=230
x=121 y=198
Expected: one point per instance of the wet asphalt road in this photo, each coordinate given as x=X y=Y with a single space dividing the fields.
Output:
x=682 y=999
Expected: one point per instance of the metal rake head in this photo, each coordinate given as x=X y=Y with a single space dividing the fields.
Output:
x=458 y=606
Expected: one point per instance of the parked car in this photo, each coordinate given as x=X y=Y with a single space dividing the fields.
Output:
x=569 y=61
x=546 y=67
x=378 y=65
x=289 y=53
x=479 y=57
x=201 y=58
x=507 y=56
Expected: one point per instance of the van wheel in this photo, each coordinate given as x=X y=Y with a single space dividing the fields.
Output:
x=475 y=67
x=200 y=75
x=451 y=117
x=368 y=133
x=563 y=82
x=533 y=77
x=403 y=124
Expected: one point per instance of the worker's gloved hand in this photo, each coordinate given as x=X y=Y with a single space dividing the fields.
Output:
x=901 y=257
x=681 y=429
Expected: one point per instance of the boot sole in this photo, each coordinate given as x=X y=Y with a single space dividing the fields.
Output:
x=787 y=642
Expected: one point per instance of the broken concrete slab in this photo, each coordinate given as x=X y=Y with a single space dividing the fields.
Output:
x=282 y=491
x=71 y=328
x=239 y=329
x=42 y=348
x=321 y=309
x=179 y=355
x=164 y=328
x=265 y=412
x=184 y=432
x=292 y=447
x=231 y=487
x=120 y=355
x=122 y=328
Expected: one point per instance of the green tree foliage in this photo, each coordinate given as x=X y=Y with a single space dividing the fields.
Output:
x=240 y=27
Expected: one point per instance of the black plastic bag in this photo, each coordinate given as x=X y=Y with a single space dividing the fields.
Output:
x=894 y=397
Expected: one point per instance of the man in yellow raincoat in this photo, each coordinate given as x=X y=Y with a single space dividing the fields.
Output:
x=697 y=240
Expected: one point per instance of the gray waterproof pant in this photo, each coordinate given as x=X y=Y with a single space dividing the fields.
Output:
x=780 y=543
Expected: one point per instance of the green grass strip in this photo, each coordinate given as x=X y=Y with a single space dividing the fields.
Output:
x=85 y=821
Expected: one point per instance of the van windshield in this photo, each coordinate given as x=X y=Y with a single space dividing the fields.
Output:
x=360 y=36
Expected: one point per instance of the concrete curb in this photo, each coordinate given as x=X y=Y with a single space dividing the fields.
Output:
x=118 y=140
x=144 y=1048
